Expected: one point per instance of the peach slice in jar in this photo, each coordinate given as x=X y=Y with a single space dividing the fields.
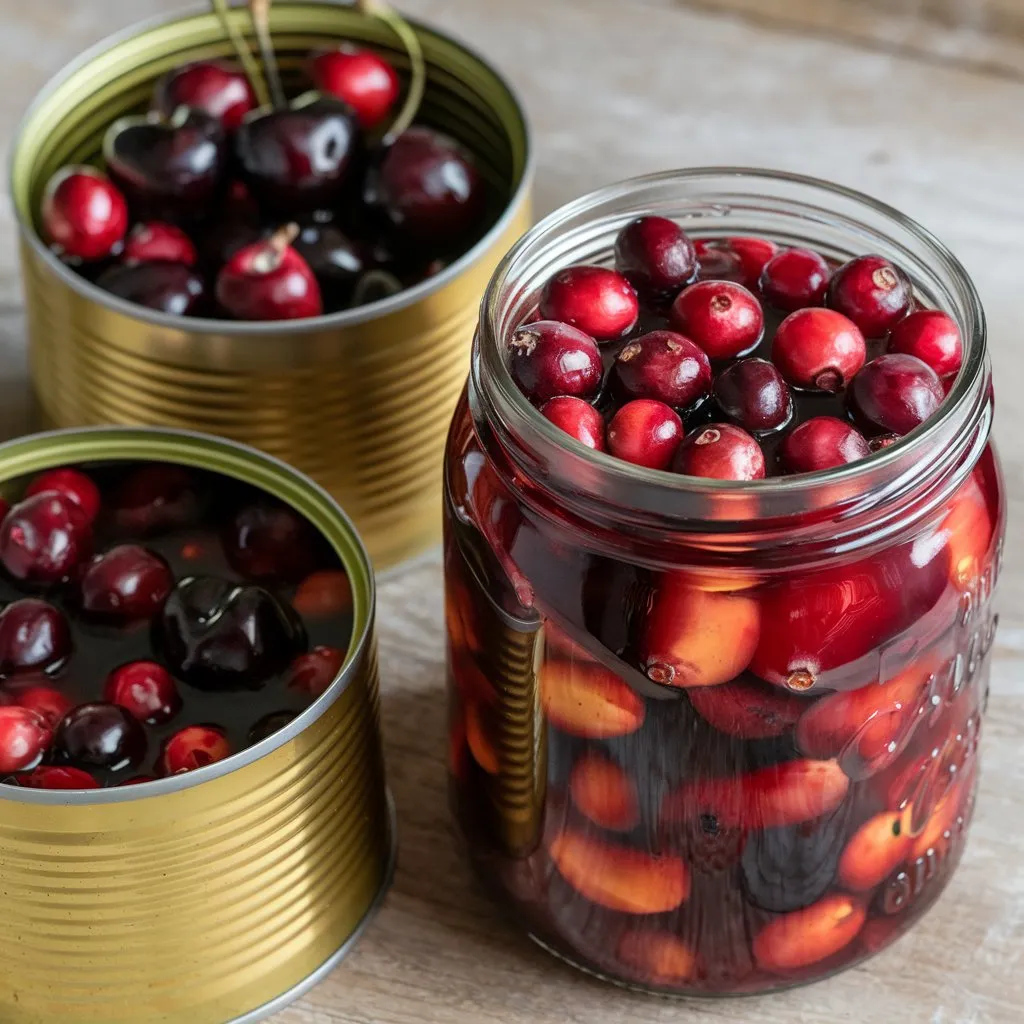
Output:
x=747 y=708
x=968 y=528
x=480 y=738
x=875 y=850
x=558 y=644
x=619 y=877
x=604 y=793
x=656 y=957
x=945 y=823
x=805 y=937
x=588 y=700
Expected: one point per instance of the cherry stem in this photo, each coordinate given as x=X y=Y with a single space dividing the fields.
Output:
x=242 y=51
x=283 y=237
x=260 y=13
x=387 y=283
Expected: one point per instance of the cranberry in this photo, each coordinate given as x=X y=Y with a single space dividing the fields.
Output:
x=145 y=689
x=34 y=690
x=894 y=393
x=578 y=419
x=33 y=635
x=268 y=725
x=721 y=451
x=716 y=261
x=646 y=433
x=216 y=635
x=874 y=293
x=49 y=777
x=194 y=747
x=154 y=498
x=548 y=359
x=213 y=87
x=932 y=336
x=598 y=301
x=312 y=673
x=100 y=735
x=156 y=242
x=720 y=316
x=795 y=279
x=336 y=261
x=72 y=484
x=364 y=80
x=753 y=394
x=24 y=739
x=656 y=256
x=324 y=594
x=822 y=442
x=665 y=366
x=818 y=349
x=84 y=216
x=126 y=584
x=266 y=540
x=44 y=538
x=754 y=255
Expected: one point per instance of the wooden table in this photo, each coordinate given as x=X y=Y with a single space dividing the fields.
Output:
x=932 y=121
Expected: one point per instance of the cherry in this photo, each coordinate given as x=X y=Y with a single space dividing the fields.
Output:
x=34 y=690
x=126 y=584
x=137 y=780
x=721 y=451
x=268 y=725
x=44 y=539
x=73 y=484
x=753 y=394
x=655 y=255
x=145 y=689
x=154 y=498
x=716 y=261
x=100 y=735
x=598 y=301
x=665 y=366
x=874 y=293
x=324 y=594
x=266 y=540
x=312 y=673
x=822 y=442
x=154 y=241
x=754 y=255
x=217 y=635
x=221 y=238
x=578 y=419
x=194 y=747
x=646 y=433
x=50 y=777
x=213 y=87
x=720 y=316
x=84 y=216
x=894 y=393
x=33 y=635
x=818 y=350
x=364 y=80
x=170 y=288
x=932 y=336
x=795 y=279
x=336 y=261
x=548 y=359
x=24 y=738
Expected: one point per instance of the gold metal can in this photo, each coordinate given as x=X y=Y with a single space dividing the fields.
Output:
x=359 y=400
x=224 y=893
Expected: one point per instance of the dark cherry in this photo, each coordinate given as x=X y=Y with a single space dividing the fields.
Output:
x=84 y=216
x=154 y=498
x=268 y=542
x=33 y=635
x=172 y=288
x=548 y=359
x=599 y=301
x=754 y=255
x=874 y=293
x=73 y=484
x=646 y=433
x=818 y=350
x=168 y=169
x=156 y=241
x=51 y=777
x=721 y=451
x=822 y=442
x=222 y=237
x=362 y=78
x=44 y=539
x=722 y=317
x=35 y=691
x=932 y=336
x=716 y=261
x=665 y=366
x=656 y=256
x=894 y=394
x=211 y=86
x=127 y=584
x=324 y=594
x=145 y=689
x=753 y=394
x=311 y=673
x=795 y=279
x=218 y=635
x=194 y=747
x=579 y=419
x=270 y=724
x=300 y=157
x=24 y=739
x=335 y=259
x=99 y=735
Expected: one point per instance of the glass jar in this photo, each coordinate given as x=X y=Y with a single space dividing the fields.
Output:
x=712 y=737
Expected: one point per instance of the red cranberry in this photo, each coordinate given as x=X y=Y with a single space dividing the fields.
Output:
x=266 y=540
x=215 y=88
x=171 y=288
x=646 y=433
x=126 y=584
x=364 y=80
x=598 y=301
x=324 y=594
x=24 y=738
x=72 y=484
x=795 y=279
x=145 y=690
x=822 y=442
x=874 y=293
x=33 y=635
x=894 y=393
x=656 y=257
x=578 y=419
x=50 y=777
x=194 y=747
x=100 y=735
x=753 y=254
x=84 y=216
x=155 y=498
x=35 y=691
x=44 y=539
x=716 y=261
x=753 y=394
x=818 y=350
x=932 y=336
x=270 y=724
x=312 y=673
x=156 y=242
x=720 y=451
x=720 y=316
x=665 y=366
x=548 y=359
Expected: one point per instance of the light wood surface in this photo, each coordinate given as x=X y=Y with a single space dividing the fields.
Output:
x=617 y=89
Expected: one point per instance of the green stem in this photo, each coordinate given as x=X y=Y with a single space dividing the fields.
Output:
x=260 y=13
x=245 y=57
x=418 y=67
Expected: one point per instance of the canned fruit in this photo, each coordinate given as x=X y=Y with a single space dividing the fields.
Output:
x=36 y=691
x=875 y=850
x=806 y=937
x=646 y=433
x=894 y=394
x=213 y=87
x=360 y=77
x=655 y=957
x=818 y=350
x=313 y=673
x=173 y=288
x=74 y=485
x=588 y=700
x=33 y=635
x=873 y=292
x=24 y=738
x=52 y=777
x=84 y=215
x=968 y=528
x=604 y=793
x=753 y=395
x=933 y=337
x=822 y=442
x=656 y=256
x=795 y=279
x=720 y=451
x=193 y=747
x=265 y=541
x=665 y=366
x=747 y=708
x=722 y=317
x=45 y=539
x=324 y=594
x=550 y=359
x=479 y=737
x=128 y=583
x=157 y=242
x=753 y=254
x=100 y=735
x=578 y=419
x=599 y=301
x=145 y=690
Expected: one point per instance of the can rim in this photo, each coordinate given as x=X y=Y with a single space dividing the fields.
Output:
x=345 y=318
x=131 y=443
